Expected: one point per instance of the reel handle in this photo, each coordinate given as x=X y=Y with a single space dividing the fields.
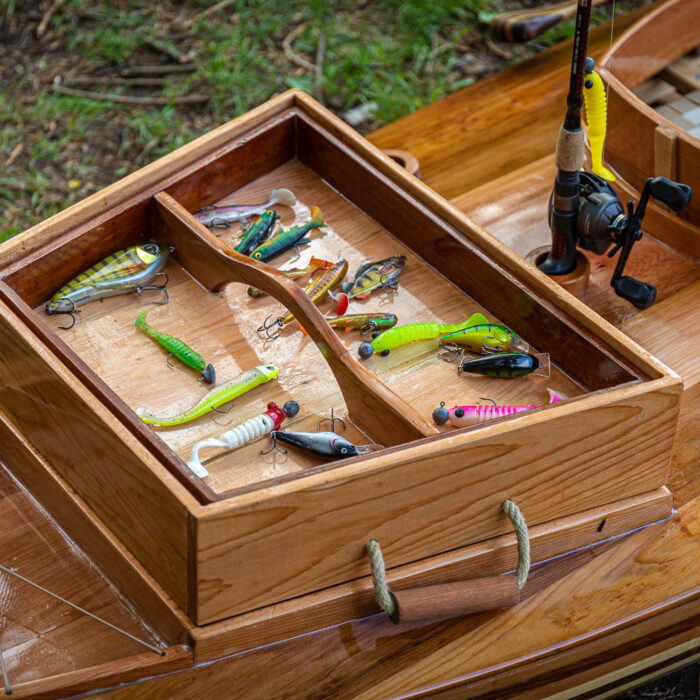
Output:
x=640 y=294
x=674 y=195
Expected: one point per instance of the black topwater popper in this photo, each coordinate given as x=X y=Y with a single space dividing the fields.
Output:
x=584 y=210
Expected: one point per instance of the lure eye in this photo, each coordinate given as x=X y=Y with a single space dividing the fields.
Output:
x=343 y=450
x=151 y=248
x=459 y=412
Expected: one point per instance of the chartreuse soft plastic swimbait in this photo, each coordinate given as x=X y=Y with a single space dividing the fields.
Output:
x=256 y=232
x=485 y=338
x=462 y=416
x=179 y=349
x=128 y=270
x=286 y=239
x=363 y=322
x=508 y=364
x=401 y=335
x=596 y=117
x=216 y=397
x=243 y=434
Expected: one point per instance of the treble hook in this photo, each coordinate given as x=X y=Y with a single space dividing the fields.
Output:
x=70 y=313
x=332 y=421
x=298 y=254
x=461 y=360
x=267 y=326
x=157 y=288
x=449 y=352
x=274 y=447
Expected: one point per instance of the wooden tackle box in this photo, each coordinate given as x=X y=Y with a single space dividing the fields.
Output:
x=265 y=529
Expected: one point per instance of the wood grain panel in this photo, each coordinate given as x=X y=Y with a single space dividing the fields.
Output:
x=354 y=600
x=437 y=495
x=90 y=534
x=85 y=444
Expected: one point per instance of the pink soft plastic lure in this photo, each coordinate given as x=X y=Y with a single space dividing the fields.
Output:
x=462 y=416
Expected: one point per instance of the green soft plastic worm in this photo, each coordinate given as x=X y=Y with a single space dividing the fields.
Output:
x=179 y=349
x=245 y=381
x=401 y=335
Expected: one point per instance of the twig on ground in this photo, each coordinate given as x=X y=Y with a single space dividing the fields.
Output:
x=289 y=52
x=131 y=99
x=43 y=25
x=188 y=24
x=112 y=80
x=14 y=154
x=495 y=48
x=136 y=71
x=163 y=47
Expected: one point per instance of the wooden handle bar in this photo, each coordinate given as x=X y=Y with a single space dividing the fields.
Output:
x=455 y=599
x=372 y=406
x=523 y=25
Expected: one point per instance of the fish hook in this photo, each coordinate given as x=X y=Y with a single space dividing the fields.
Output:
x=70 y=313
x=486 y=398
x=298 y=254
x=273 y=448
x=449 y=352
x=332 y=421
x=461 y=360
x=371 y=326
x=267 y=326
x=157 y=288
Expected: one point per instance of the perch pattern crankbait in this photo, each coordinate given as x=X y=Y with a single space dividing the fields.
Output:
x=363 y=322
x=128 y=270
x=485 y=338
x=284 y=240
x=232 y=389
x=243 y=434
x=401 y=335
x=324 y=444
x=373 y=275
x=462 y=416
x=506 y=365
x=178 y=348
x=224 y=216
x=317 y=290
x=256 y=231
x=295 y=273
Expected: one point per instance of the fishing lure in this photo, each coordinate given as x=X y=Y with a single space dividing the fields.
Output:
x=180 y=349
x=596 y=116
x=127 y=270
x=373 y=275
x=232 y=389
x=224 y=216
x=317 y=290
x=295 y=273
x=257 y=231
x=324 y=444
x=284 y=240
x=394 y=337
x=507 y=364
x=462 y=416
x=243 y=434
x=485 y=338
x=365 y=323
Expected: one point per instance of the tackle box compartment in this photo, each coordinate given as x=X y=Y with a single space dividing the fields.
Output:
x=264 y=529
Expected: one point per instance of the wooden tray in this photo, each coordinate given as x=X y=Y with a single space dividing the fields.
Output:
x=262 y=530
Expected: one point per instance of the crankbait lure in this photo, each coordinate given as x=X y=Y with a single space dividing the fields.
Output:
x=225 y=215
x=324 y=444
x=284 y=240
x=180 y=349
x=596 y=116
x=243 y=434
x=507 y=364
x=256 y=232
x=317 y=290
x=373 y=275
x=364 y=323
x=462 y=416
x=394 y=337
x=485 y=338
x=127 y=270
x=295 y=273
x=232 y=389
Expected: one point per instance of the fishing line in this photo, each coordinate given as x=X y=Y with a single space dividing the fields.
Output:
x=4 y=569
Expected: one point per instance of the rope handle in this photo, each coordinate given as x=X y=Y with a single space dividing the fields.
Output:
x=454 y=599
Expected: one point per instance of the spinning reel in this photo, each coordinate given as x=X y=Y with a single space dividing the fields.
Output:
x=601 y=222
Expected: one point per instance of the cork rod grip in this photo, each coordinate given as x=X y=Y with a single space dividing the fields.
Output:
x=456 y=599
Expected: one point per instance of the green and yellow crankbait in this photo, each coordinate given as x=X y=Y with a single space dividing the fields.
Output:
x=216 y=397
x=485 y=338
x=128 y=270
x=401 y=335
x=180 y=349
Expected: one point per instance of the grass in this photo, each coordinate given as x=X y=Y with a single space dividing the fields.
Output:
x=395 y=54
